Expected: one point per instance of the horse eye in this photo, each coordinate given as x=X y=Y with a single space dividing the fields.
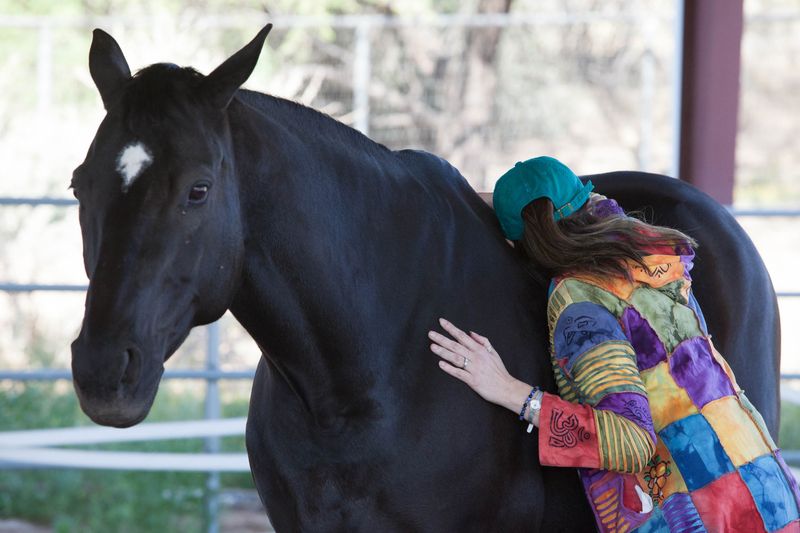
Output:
x=198 y=193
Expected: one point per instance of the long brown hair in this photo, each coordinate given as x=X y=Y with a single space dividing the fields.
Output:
x=590 y=242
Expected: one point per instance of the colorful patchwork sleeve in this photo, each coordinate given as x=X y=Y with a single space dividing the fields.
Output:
x=611 y=427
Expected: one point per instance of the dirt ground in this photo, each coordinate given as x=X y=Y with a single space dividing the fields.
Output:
x=241 y=512
x=18 y=526
x=243 y=521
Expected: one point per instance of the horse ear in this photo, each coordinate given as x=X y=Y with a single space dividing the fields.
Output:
x=220 y=86
x=108 y=66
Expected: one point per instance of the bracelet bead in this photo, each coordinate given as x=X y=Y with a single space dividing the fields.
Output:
x=525 y=405
x=536 y=399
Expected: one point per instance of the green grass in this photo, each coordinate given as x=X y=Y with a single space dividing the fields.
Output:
x=71 y=500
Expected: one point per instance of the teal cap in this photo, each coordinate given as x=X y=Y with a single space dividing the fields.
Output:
x=532 y=179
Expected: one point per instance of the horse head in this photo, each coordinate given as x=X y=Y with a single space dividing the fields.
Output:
x=159 y=216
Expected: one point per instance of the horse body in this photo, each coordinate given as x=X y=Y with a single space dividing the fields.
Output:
x=351 y=423
x=337 y=255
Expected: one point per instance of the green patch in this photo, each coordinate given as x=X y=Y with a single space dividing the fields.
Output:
x=672 y=322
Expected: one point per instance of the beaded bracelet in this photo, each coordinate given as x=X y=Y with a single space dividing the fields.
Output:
x=527 y=402
x=537 y=402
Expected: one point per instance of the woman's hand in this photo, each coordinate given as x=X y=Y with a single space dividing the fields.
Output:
x=472 y=359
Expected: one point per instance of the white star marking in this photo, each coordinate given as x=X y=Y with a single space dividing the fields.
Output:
x=132 y=161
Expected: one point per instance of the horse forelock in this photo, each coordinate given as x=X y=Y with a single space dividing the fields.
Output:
x=161 y=93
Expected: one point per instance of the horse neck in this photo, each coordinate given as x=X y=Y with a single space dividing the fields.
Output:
x=328 y=245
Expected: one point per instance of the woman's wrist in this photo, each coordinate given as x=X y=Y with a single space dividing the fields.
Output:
x=535 y=408
x=519 y=397
x=515 y=395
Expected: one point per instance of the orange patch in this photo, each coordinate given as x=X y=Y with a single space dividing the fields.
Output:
x=655 y=479
x=668 y=400
x=661 y=269
x=740 y=437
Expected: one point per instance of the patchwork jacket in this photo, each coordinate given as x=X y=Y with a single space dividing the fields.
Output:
x=651 y=414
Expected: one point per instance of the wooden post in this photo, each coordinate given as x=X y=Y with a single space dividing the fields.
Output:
x=710 y=95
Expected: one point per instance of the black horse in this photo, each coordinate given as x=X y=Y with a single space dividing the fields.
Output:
x=337 y=255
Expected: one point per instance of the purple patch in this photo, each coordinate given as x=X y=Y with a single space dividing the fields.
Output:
x=597 y=484
x=687 y=258
x=789 y=476
x=648 y=347
x=632 y=406
x=590 y=476
x=681 y=514
x=607 y=207
x=694 y=368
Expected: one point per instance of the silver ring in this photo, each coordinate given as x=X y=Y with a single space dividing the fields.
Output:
x=465 y=363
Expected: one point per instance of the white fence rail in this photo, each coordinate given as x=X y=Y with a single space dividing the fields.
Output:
x=35 y=448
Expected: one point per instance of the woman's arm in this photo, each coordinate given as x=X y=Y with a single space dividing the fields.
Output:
x=611 y=428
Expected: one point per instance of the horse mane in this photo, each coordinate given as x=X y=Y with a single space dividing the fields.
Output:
x=306 y=118
x=166 y=91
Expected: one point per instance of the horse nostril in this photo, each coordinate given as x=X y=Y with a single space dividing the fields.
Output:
x=133 y=366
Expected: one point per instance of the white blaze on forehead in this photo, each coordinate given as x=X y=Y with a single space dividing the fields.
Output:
x=132 y=161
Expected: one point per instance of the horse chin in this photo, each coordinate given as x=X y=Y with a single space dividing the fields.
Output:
x=122 y=410
x=117 y=419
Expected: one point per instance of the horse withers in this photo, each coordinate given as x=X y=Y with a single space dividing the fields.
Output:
x=337 y=255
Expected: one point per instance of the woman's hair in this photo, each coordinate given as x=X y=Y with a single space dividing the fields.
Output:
x=595 y=241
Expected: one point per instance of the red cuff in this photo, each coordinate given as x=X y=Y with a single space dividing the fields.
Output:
x=567 y=434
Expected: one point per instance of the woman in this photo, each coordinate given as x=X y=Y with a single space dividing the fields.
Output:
x=648 y=410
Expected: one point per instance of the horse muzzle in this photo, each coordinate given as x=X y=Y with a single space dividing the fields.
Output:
x=115 y=383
